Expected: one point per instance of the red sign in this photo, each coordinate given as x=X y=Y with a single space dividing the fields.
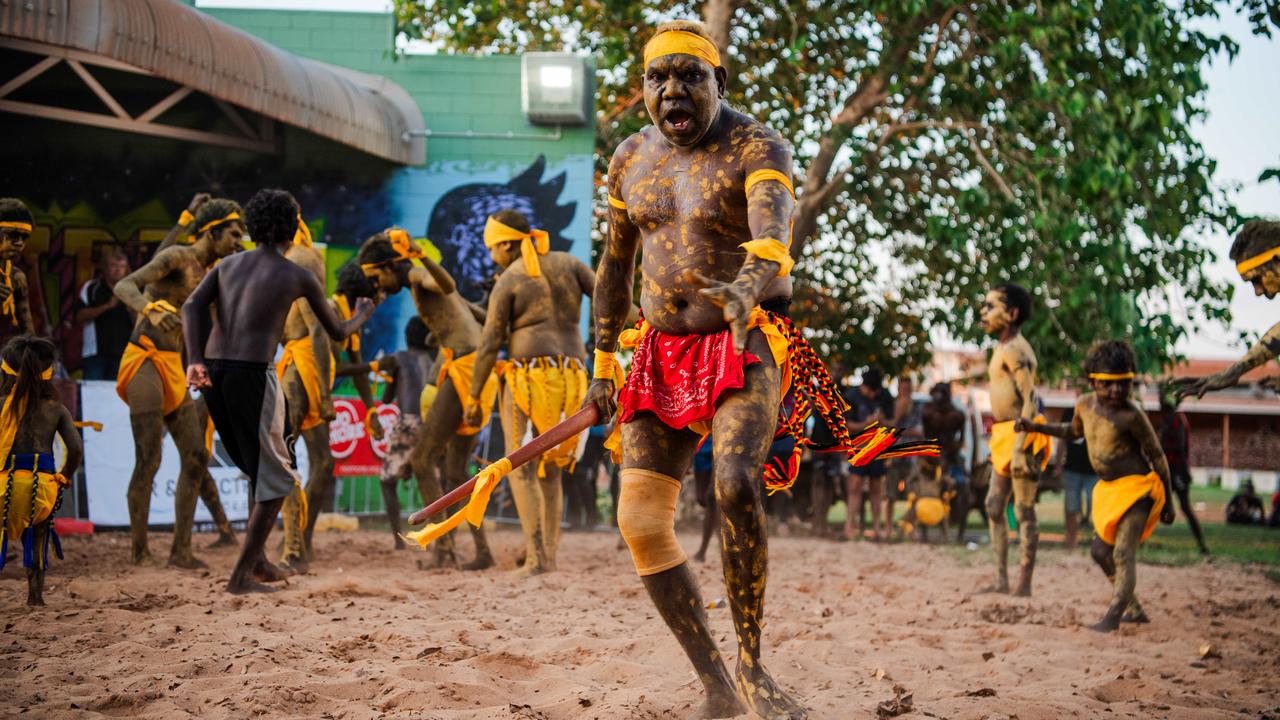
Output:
x=355 y=453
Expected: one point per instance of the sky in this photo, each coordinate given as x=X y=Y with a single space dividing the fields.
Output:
x=1241 y=133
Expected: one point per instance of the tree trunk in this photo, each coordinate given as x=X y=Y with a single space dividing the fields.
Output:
x=716 y=15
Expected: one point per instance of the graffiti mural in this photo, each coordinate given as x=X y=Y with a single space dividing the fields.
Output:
x=458 y=219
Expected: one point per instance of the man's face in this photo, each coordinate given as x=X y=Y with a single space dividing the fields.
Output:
x=682 y=94
x=939 y=396
x=995 y=313
x=1265 y=279
x=12 y=241
x=1112 y=393
x=384 y=280
x=115 y=269
x=868 y=392
x=228 y=239
x=503 y=254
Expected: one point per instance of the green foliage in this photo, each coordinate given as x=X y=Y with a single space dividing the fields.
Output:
x=960 y=144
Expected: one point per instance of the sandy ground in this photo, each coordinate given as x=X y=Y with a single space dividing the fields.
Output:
x=368 y=635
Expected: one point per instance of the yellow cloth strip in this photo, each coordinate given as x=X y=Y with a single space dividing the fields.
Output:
x=1113 y=498
x=773 y=251
x=163 y=305
x=186 y=218
x=403 y=246
x=459 y=371
x=532 y=244
x=681 y=42
x=168 y=364
x=1003 y=438
x=1260 y=259
x=1111 y=376
x=227 y=218
x=370 y=415
x=300 y=353
x=10 y=305
x=208 y=436
x=547 y=390
x=760 y=176
x=302 y=236
x=91 y=424
x=14 y=225
x=46 y=374
x=617 y=203
x=352 y=343
x=21 y=513
x=472 y=512
x=606 y=367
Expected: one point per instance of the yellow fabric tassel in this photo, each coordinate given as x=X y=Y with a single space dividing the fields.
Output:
x=186 y=218
x=208 y=436
x=1003 y=438
x=91 y=424
x=300 y=354
x=352 y=343
x=532 y=243
x=302 y=236
x=10 y=305
x=472 y=512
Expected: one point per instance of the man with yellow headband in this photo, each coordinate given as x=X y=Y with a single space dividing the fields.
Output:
x=1256 y=253
x=1017 y=457
x=705 y=195
x=534 y=311
x=1133 y=491
x=16 y=224
x=393 y=262
x=152 y=380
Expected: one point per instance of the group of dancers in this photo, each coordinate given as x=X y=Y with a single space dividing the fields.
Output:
x=705 y=196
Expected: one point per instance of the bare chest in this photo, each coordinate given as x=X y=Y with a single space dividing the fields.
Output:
x=700 y=192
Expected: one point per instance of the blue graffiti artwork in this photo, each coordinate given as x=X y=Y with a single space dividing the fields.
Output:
x=457 y=221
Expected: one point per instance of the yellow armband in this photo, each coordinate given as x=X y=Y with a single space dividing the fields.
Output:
x=186 y=218
x=760 y=176
x=162 y=305
x=617 y=203
x=607 y=368
x=773 y=251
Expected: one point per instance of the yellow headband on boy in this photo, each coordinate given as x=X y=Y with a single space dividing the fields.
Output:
x=681 y=42
x=24 y=227
x=219 y=221
x=404 y=248
x=532 y=243
x=1111 y=376
x=1258 y=260
x=47 y=374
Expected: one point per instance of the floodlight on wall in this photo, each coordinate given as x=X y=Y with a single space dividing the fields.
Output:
x=555 y=88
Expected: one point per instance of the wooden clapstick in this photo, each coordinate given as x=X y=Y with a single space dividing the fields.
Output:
x=567 y=428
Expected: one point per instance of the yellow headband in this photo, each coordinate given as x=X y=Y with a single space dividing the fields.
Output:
x=46 y=375
x=1111 y=376
x=532 y=243
x=24 y=227
x=302 y=236
x=402 y=245
x=681 y=42
x=1258 y=260
x=208 y=225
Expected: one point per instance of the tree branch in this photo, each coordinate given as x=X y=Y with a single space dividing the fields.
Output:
x=987 y=166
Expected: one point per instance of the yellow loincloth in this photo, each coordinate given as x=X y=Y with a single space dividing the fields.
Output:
x=25 y=509
x=547 y=390
x=168 y=364
x=1113 y=498
x=459 y=371
x=1003 y=438
x=299 y=353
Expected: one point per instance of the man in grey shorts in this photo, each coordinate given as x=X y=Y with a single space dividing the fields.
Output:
x=253 y=293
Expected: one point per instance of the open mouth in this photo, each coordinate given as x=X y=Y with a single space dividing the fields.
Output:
x=679 y=120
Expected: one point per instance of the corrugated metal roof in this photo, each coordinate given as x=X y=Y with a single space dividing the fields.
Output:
x=178 y=42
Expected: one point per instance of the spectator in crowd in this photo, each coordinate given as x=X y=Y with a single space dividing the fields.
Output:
x=1245 y=507
x=1175 y=438
x=107 y=322
x=871 y=403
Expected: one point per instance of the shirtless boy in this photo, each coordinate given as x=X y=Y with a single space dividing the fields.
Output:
x=1133 y=488
x=16 y=224
x=30 y=416
x=253 y=293
x=1017 y=456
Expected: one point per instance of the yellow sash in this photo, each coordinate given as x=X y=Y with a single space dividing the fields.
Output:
x=459 y=371
x=547 y=390
x=168 y=363
x=10 y=305
x=1003 y=438
x=1113 y=498
x=300 y=354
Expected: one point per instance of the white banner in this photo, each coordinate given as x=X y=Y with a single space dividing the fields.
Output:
x=109 y=456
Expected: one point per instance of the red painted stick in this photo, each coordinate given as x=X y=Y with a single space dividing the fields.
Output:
x=567 y=428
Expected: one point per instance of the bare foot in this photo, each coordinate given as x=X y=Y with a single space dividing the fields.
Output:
x=267 y=572
x=227 y=539
x=763 y=696
x=248 y=586
x=184 y=559
x=36 y=600
x=721 y=703
x=1135 y=614
x=483 y=561
x=294 y=565
x=1105 y=625
x=700 y=556
x=527 y=570
x=1000 y=587
x=143 y=558
x=1024 y=590
x=399 y=543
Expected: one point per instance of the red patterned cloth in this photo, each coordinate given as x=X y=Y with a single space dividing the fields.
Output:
x=680 y=378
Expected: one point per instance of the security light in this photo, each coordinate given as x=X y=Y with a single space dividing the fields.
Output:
x=555 y=88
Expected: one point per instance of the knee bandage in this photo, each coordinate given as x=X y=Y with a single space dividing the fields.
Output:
x=647 y=519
